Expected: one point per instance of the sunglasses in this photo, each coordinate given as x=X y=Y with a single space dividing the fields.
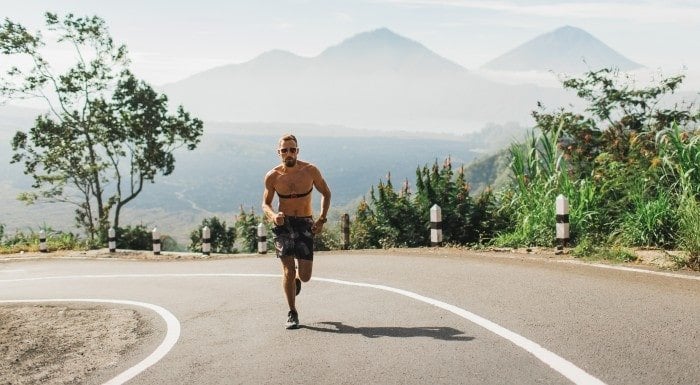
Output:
x=291 y=150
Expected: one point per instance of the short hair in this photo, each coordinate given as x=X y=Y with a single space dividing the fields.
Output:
x=287 y=137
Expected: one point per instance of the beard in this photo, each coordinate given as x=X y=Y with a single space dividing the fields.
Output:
x=290 y=162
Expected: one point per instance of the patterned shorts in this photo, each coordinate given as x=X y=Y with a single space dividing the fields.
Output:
x=295 y=238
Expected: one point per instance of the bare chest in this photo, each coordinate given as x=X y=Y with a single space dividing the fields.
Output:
x=293 y=183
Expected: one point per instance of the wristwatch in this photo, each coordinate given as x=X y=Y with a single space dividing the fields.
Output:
x=323 y=219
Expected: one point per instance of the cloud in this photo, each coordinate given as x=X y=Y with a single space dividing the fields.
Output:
x=639 y=11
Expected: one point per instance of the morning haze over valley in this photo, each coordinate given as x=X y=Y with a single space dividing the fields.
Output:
x=373 y=103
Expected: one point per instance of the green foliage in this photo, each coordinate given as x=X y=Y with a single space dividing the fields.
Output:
x=134 y=238
x=222 y=238
x=247 y=229
x=538 y=179
x=402 y=219
x=327 y=239
x=689 y=230
x=106 y=133
x=652 y=221
x=363 y=230
x=624 y=165
x=29 y=242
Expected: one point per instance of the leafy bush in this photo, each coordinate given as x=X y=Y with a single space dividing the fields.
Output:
x=134 y=238
x=222 y=238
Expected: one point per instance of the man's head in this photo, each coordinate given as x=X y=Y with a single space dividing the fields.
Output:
x=288 y=149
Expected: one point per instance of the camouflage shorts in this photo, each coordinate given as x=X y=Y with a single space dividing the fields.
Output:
x=295 y=238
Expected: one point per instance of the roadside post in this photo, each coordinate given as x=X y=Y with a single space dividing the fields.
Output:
x=206 y=241
x=562 y=210
x=435 y=226
x=156 y=241
x=42 y=241
x=262 y=239
x=112 y=240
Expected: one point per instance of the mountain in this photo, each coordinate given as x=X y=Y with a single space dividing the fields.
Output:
x=566 y=49
x=374 y=80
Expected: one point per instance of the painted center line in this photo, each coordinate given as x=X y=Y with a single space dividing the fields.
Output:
x=559 y=364
x=171 y=336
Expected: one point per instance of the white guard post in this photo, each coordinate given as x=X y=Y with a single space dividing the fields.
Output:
x=262 y=239
x=206 y=241
x=435 y=226
x=156 y=241
x=42 y=241
x=562 y=209
x=112 y=240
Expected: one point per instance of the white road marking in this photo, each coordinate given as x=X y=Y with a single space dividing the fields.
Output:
x=564 y=367
x=171 y=336
x=635 y=270
x=567 y=369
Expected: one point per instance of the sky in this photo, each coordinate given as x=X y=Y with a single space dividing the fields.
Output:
x=169 y=40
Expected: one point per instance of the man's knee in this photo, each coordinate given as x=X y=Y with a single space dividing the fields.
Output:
x=305 y=276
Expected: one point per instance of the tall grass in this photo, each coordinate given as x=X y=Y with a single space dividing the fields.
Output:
x=679 y=153
x=538 y=178
x=29 y=241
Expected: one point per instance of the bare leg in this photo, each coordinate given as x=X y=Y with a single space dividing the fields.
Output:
x=305 y=268
x=288 y=275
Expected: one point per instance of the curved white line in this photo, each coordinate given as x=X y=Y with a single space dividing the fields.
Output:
x=564 y=367
x=567 y=369
x=171 y=336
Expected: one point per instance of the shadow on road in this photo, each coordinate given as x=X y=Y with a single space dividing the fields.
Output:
x=438 y=333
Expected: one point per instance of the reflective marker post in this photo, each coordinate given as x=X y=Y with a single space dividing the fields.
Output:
x=262 y=239
x=562 y=210
x=156 y=241
x=206 y=241
x=112 y=240
x=435 y=226
x=42 y=241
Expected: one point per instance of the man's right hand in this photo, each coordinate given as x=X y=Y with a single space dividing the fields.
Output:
x=279 y=219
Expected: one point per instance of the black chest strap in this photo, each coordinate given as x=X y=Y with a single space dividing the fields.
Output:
x=292 y=196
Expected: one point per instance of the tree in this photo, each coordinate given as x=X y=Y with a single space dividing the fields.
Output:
x=247 y=229
x=106 y=133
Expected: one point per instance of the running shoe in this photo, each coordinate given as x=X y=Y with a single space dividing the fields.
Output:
x=297 y=282
x=292 y=320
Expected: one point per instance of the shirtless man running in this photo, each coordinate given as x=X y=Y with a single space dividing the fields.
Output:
x=293 y=181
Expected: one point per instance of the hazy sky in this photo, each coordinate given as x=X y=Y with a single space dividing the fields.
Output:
x=172 y=39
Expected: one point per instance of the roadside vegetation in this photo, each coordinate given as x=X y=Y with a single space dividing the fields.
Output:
x=629 y=165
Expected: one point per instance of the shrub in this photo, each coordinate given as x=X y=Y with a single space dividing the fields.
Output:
x=134 y=238
x=222 y=238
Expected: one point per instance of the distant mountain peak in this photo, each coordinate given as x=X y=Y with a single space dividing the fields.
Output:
x=378 y=39
x=385 y=46
x=566 y=49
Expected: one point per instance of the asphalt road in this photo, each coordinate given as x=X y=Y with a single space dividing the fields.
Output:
x=394 y=319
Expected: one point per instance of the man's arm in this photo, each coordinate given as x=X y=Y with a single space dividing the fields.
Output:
x=268 y=195
x=325 y=191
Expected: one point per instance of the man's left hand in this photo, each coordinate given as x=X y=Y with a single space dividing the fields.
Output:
x=317 y=226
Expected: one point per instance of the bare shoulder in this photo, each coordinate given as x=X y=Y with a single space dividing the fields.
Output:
x=272 y=174
x=310 y=167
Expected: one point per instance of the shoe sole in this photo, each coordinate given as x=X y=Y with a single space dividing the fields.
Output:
x=291 y=327
x=298 y=285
